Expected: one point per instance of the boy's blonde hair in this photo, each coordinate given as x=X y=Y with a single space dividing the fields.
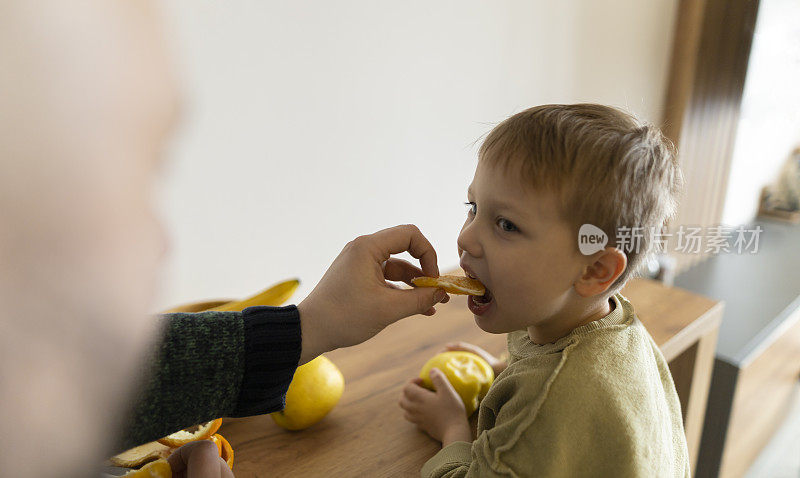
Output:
x=605 y=167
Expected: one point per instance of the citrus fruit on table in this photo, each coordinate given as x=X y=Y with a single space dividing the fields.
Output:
x=470 y=375
x=316 y=388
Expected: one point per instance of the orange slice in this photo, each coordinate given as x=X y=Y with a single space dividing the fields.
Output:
x=140 y=455
x=452 y=284
x=225 y=449
x=183 y=437
x=156 y=469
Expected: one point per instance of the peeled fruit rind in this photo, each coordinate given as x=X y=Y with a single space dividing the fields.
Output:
x=183 y=437
x=274 y=296
x=315 y=389
x=469 y=374
x=156 y=469
x=140 y=455
x=225 y=449
x=452 y=284
x=195 y=307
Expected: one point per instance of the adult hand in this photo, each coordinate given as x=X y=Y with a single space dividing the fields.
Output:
x=353 y=302
x=198 y=459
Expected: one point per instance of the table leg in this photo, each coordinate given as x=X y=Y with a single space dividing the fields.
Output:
x=691 y=372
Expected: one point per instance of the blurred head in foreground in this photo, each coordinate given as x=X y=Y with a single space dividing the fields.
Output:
x=87 y=102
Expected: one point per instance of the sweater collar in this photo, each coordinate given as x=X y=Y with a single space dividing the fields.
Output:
x=520 y=345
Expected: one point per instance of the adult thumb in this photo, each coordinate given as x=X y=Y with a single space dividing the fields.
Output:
x=418 y=300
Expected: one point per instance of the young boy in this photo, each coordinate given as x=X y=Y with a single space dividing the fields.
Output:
x=586 y=391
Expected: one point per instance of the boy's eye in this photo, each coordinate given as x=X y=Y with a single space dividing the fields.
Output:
x=510 y=227
x=472 y=206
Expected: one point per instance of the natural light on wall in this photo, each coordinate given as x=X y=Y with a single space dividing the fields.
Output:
x=308 y=125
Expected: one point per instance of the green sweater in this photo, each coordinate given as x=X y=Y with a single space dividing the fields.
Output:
x=597 y=402
x=213 y=364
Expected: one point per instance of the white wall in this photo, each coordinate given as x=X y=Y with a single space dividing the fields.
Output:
x=769 y=127
x=309 y=123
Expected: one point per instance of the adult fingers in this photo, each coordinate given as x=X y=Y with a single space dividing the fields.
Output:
x=400 y=270
x=430 y=311
x=404 y=238
x=419 y=300
x=198 y=459
x=224 y=470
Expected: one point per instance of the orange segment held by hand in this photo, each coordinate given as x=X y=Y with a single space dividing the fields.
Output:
x=452 y=284
x=183 y=437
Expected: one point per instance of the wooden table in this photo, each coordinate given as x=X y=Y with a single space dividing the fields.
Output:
x=366 y=434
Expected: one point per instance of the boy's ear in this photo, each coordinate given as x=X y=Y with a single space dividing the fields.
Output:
x=597 y=277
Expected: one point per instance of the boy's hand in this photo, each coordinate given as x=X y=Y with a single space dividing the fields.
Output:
x=440 y=414
x=498 y=365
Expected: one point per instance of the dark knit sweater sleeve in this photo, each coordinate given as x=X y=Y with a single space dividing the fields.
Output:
x=214 y=364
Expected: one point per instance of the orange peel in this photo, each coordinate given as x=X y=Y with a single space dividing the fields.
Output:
x=155 y=469
x=183 y=437
x=140 y=455
x=225 y=449
x=453 y=284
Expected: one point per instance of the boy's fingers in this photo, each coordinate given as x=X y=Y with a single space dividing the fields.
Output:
x=439 y=380
x=415 y=392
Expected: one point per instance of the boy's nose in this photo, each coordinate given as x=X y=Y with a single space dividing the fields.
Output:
x=467 y=243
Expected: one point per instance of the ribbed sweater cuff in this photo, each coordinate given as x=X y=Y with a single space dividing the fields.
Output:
x=272 y=343
x=454 y=455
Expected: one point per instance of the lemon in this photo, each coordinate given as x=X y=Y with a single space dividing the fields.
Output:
x=316 y=388
x=470 y=375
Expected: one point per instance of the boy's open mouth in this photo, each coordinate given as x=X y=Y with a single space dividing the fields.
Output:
x=483 y=299
x=478 y=304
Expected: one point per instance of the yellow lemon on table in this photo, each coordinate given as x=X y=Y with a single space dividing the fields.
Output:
x=316 y=388
x=470 y=375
